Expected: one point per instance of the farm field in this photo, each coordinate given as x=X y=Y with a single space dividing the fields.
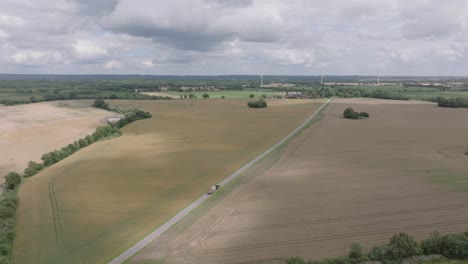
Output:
x=98 y=202
x=29 y=131
x=341 y=181
x=229 y=94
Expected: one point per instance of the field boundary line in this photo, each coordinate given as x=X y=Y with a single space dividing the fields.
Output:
x=166 y=226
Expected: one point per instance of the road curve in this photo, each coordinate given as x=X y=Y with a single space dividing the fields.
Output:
x=160 y=230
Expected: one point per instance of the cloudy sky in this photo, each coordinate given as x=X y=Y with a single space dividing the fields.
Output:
x=212 y=37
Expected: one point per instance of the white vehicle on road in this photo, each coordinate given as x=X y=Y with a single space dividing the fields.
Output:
x=213 y=189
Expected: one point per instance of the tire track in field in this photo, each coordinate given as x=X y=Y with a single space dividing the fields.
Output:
x=331 y=237
x=338 y=219
x=56 y=215
x=429 y=196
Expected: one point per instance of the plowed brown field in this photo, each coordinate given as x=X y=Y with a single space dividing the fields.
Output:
x=341 y=181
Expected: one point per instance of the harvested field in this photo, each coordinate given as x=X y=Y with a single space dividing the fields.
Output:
x=29 y=131
x=341 y=181
x=97 y=203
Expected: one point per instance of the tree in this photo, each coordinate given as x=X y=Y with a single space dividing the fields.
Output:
x=260 y=103
x=378 y=253
x=403 y=245
x=99 y=103
x=432 y=245
x=191 y=96
x=295 y=260
x=33 y=168
x=222 y=97
x=205 y=96
x=251 y=95
x=12 y=180
x=355 y=253
x=350 y=114
x=364 y=114
x=263 y=96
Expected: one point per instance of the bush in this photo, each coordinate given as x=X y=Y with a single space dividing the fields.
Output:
x=205 y=96
x=9 y=203
x=4 y=250
x=33 y=168
x=351 y=114
x=453 y=102
x=355 y=252
x=295 y=260
x=99 y=103
x=12 y=180
x=455 y=246
x=7 y=212
x=403 y=245
x=432 y=245
x=257 y=104
x=364 y=114
x=378 y=253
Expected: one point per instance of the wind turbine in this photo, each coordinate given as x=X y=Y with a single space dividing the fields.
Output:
x=321 y=78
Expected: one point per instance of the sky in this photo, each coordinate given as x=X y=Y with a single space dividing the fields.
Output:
x=218 y=37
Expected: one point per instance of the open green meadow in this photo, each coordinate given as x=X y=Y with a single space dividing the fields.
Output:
x=93 y=205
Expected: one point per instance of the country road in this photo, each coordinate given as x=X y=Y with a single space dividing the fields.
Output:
x=163 y=228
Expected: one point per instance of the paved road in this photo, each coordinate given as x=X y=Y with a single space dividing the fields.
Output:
x=160 y=230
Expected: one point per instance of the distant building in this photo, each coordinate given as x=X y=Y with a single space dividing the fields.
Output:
x=273 y=85
x=294 y=95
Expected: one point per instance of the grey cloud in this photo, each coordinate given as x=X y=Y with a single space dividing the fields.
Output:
x=198 y=27
x=234 y=36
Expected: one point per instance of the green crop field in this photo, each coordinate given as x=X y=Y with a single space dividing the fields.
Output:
x=95 y=204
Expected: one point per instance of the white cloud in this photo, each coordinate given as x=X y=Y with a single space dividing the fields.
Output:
x=3 y=34
x=36 y=58
x=6 y=20
x=88 y=49
x=113 y=64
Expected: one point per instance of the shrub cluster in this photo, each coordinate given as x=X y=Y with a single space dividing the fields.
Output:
x=260 y=103
x=8 y=206
x=100 y=103
x=351 y=114
x=401 y=246
x=8 y=202
x=58 y=155
x=453 y=102
x=325 y=92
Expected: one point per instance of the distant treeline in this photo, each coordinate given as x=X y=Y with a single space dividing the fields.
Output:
x=8 y=199
x=453 y=102
x=353 y=92
x=75 y=96
x=401 y=246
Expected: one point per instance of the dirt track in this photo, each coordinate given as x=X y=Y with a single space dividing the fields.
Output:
x=341 y=181
x=28 y=131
